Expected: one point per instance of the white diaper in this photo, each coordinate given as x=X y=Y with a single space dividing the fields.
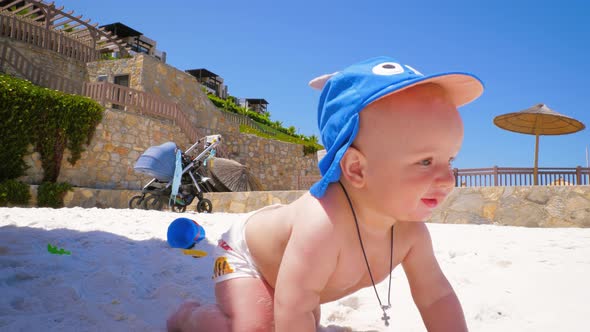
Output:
x=232 y=256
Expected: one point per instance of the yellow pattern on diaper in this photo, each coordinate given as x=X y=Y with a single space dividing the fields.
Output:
x=221 y=267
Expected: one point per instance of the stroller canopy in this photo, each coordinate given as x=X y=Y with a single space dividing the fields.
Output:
x=158 y=162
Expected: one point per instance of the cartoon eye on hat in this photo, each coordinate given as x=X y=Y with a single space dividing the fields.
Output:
x=388 y=69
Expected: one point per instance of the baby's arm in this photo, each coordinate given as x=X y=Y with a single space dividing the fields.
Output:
x=308 y=262
x=435 y=298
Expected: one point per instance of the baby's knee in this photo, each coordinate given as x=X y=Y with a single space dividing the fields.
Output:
x=190 y=317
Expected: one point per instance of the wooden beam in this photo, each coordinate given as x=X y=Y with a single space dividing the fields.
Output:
x=18 y=10
x=41 y=17
x=56 y=17
x=61 y=15
x=33 y=12
x=11 y=4
x=67 y=21
x=81 y=32
x=109 y=46
x=78 y=24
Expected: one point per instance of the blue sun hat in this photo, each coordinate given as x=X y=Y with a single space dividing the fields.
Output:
x=346 y=93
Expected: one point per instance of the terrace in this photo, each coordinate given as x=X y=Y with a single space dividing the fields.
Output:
x=258 y=105
x=47 y=26
x=211 y=81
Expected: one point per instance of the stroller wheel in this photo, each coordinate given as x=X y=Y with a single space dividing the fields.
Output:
x=178 y=208
x=137 y=202
x=153 y=202
x=204 y=205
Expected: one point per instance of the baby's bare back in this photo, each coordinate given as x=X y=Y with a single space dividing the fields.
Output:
x=269 y=232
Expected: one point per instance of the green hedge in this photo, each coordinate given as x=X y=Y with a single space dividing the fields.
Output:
x=14 y=192
x=282 y=133
x=229 y=105
x=50 y=194
x=49 y=120
x=308 y=147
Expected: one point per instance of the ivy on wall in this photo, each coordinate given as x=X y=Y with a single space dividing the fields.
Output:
x=49 y=120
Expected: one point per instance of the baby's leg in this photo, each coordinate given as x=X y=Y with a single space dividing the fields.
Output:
x=191 y=316
x=248 y=302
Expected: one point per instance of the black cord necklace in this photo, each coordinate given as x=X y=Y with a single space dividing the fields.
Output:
x=385 y=317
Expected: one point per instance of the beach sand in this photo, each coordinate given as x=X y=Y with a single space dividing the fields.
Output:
x=122 y=275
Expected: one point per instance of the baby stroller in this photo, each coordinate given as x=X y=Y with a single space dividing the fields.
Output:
x=159 y=162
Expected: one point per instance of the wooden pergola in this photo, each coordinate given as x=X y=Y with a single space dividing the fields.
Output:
x=54 y=19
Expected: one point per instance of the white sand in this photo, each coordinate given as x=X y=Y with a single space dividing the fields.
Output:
x=123 y=276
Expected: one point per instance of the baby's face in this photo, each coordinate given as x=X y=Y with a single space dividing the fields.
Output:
x=409 y=140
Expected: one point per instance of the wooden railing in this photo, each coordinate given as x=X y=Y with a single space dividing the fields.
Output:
x=240 y=119
x=121 y=97
x=34 y=34
x=518 y=176
x=498 y=176
x=10 y=56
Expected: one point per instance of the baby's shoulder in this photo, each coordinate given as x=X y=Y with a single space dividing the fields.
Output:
x=413 y=232
x=409 y=235
x=411 y=229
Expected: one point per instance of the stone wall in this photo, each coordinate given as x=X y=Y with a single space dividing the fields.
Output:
x=180 y=87
x=119 y=140
x=44 y=59
x=123 y=136
x=275 y=164
x=111 y=68
x=539 y=206
x=567 y=206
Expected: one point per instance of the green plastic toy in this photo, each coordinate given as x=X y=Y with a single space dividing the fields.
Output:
x=54 y=250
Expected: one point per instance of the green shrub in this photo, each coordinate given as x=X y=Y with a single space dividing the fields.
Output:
x=50 y=194
x=309 y=146
x=14 y=192
x=16 y=114
x=309 y=149
x=48 y=119
x=229 y=105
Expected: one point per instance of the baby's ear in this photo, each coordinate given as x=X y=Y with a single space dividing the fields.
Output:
x=353 y=167
x=319 y=82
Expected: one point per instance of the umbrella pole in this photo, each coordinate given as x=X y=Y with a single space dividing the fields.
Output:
x=535 y=169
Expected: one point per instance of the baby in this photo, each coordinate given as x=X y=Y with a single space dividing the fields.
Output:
x=385 y=170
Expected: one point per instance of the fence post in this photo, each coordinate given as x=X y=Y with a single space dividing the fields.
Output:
x=495 y=176
x=578 y=175
x=4 y=49
x=456 y=175
x=48 y=15
x=103 y=93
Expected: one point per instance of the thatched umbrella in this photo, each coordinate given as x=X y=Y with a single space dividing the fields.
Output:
x=232 y=175
x=538 y=120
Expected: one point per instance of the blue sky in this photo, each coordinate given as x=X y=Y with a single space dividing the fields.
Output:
x=526 y=52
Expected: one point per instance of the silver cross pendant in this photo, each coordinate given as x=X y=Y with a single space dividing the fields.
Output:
x=385 y=317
